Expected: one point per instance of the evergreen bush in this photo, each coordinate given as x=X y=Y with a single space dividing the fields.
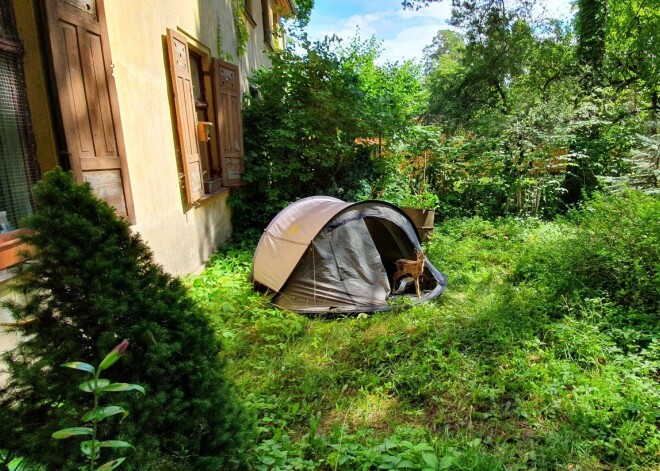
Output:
x=90 y=282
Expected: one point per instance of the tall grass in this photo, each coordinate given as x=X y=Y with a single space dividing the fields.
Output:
x=543 y=353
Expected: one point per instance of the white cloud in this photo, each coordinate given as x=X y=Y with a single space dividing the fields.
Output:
x=404 y=33
x=408 y=43
x=368 y=25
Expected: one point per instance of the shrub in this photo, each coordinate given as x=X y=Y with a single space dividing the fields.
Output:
x=316 y=123
x=609 y=248
x=88 y=283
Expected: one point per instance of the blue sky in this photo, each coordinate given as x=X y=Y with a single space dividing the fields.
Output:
x=403 y=33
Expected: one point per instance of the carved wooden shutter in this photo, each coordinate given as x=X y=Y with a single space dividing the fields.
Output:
x=186 y=118
x=88 y=99
x=229 y=126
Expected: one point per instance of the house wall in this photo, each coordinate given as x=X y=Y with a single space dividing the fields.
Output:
x=8 y=340
x=182 y=237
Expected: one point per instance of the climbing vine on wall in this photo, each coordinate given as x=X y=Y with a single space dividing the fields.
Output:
x=241 y=30
x=242 y=33
x=225 y=56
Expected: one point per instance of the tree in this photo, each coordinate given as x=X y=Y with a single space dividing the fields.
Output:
x=530 y=91
x=632 y=50
x=447 y=45
x=89 y=282
x=498 y=45
x=320 y=115
x=590 y=27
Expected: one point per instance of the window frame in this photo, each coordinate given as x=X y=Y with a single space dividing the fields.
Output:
x=267 y=26
x=204 y=105
x=11 y=245
x=214 y=170
x=248 y=12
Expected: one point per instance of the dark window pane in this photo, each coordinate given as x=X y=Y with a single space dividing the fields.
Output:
x=18 y=167
x=7 y=26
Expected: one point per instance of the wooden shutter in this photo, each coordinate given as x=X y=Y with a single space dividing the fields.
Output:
x=88 y=99
x=229 y=126
x=186 y=117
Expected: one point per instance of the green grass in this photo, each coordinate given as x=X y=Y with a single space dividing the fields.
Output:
x=504 y=371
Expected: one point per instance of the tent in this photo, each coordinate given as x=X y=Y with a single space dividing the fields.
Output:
x=321 y=254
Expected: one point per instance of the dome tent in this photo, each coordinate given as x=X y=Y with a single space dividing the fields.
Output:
x=321 y=254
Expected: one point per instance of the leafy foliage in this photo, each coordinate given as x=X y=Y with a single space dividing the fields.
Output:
x=88 y=283
x=91 y=449
x=557 y=108
x=320 y=115
x=612 y=253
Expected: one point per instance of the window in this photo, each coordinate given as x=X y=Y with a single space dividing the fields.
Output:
x=247 y=10
x=202 y=170
x=210 y=167
x=18 y=163
x=266 y=20
x=275 y=29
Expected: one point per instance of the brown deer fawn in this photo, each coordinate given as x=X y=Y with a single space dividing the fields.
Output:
x=414 y=268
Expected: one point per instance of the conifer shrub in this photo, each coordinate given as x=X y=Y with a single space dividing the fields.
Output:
x=88 y=283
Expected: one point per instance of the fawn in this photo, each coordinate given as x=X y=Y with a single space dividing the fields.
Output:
x=414 y=268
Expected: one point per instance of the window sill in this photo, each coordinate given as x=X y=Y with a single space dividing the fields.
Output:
x=210 y=196
x=10 y=247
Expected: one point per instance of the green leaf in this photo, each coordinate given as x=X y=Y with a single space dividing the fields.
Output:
x=103 y=412
x=447 y=461
x=72 y=431
x=16 y=464
x=86 y=447
x=110 y=464
x=118 y=387
x=115 y=444
x=474 y=443
x=93 y=384
x=79 y=365
x=430 y=459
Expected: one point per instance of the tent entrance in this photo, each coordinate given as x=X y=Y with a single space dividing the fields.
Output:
x=393 y=244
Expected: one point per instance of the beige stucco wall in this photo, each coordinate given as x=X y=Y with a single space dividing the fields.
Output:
x=182 y=237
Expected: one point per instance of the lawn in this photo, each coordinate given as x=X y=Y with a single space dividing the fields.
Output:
x=527 y=361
